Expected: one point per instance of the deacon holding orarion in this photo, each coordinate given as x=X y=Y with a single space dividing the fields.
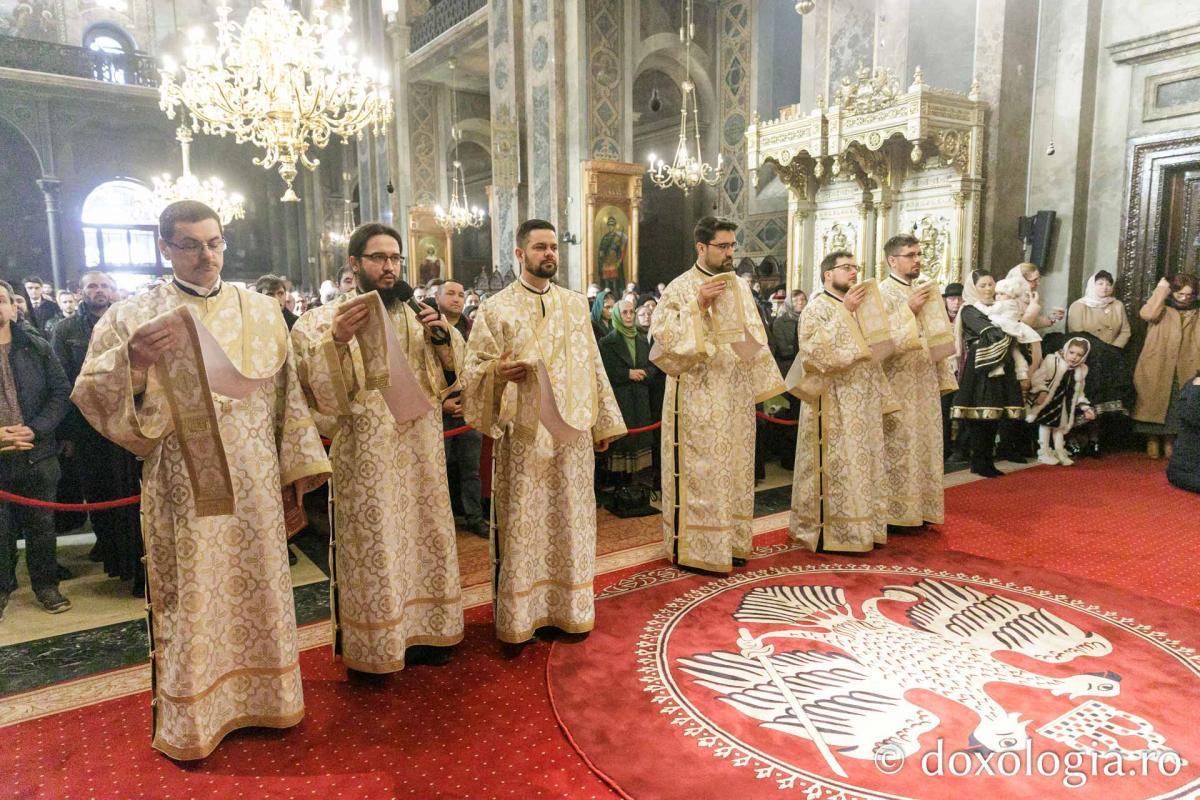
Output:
x=838 y=494
x=710 y=341
x=396 y=592
x=534 y=382
x=919 y=373
x=197 y=377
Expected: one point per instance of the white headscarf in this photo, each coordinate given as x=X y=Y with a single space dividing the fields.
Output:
x=1091 y=296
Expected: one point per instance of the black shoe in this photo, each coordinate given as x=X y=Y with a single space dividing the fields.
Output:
x=1092 y=450
x=739 y=562
x=428 y=655
x=989 y=471
x=94 y=554
x=480 y=528
x=52 y=600
x=511 y=650
x=63 y=574
x=292 y=559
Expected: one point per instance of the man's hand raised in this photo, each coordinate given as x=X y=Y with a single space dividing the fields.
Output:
x=511 y=371
x=854 y=298
x=149 y=342
x=710 y=291
x=347 y=320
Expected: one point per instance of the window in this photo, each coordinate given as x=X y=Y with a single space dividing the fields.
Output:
x=120 y=228
x=113 y=48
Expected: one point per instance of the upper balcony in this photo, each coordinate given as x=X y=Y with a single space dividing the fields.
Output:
x=132 y=69
x=441 y=17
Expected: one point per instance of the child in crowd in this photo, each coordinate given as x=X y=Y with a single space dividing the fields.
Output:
x=1056 y=396
x=1006 y=314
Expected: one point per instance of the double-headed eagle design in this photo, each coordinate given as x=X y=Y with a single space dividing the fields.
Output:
x=849 y=695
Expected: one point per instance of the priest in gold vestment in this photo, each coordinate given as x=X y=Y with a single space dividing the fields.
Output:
x=913 y=435
x=838 y=501
x=710 y=341
x=543 y=493
x=217 y=471
x=395 y=583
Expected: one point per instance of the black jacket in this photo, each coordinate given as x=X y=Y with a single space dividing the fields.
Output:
x=42 y=392
x=70 y=341
x=45 y=315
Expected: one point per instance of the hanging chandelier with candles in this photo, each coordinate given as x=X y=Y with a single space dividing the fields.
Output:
x=279 y=82
x=459 y=215
x=210 y=191
x=686 y=171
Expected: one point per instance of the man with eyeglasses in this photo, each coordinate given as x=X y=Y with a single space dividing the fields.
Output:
x=544 y=499
x=397 y=595
x=216 y=477
x=913 y=435
x=710 y=341
x=838 y=501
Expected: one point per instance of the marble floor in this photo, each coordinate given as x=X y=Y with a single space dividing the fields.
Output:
x=105 y=630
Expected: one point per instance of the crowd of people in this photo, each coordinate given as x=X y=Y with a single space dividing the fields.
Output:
x=885 y=380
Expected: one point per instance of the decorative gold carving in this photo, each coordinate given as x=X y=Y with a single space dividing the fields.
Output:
x=868 y=92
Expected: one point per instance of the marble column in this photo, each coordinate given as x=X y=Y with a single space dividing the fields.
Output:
x=1005 y=41
x=1064 y=107
x=50 y=190
x=547 y=117
x=399 y=154
x=373 y=159
x=507 y=93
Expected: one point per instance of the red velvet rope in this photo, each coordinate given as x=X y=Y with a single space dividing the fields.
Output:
x=135 y=499
x=107 y=504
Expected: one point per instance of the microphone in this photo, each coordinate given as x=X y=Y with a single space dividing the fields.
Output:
x=404 y=293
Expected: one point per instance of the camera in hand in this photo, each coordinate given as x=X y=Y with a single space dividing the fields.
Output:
x=404 y=293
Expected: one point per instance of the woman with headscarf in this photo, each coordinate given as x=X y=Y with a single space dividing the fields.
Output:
x=990 y=380
x=1169 y=359
x=602 y=313
x=1100 y=318
x=626 y=358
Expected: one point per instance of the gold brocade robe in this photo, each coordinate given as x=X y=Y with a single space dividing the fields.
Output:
x=913 y=435
x=543 y=494
x=708 y=426
x=222 y=623
x=838 y=495
x=394 y=581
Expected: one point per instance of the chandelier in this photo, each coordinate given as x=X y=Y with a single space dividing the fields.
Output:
x=686 y=171
x=458 y=215
x=279 y=82
x=187 y=186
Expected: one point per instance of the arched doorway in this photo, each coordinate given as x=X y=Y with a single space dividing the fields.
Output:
x=24 y=237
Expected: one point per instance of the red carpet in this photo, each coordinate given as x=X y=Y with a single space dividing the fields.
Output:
x=1114 y=520
x=483 y=726
x=687 y=688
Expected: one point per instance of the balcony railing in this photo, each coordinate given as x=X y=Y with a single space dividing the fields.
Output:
x=134 y=69
x=441 y=17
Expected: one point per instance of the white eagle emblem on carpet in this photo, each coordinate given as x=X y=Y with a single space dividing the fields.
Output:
x=849 y=695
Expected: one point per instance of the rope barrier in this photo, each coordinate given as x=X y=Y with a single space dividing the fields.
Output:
x=105 y=506
x=775 y=419
x=9 y=497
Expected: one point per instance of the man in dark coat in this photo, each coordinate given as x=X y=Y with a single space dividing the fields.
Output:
x=106 y=471
x=43 y=311
x=34 y=396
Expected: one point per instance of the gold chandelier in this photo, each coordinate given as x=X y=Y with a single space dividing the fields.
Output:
x=686 y=171
x=210 y=191
x=458 y=215
x=279 y=82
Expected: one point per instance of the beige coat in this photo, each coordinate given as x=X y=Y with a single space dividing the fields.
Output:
x=1109 y=324
x=1172 y=349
